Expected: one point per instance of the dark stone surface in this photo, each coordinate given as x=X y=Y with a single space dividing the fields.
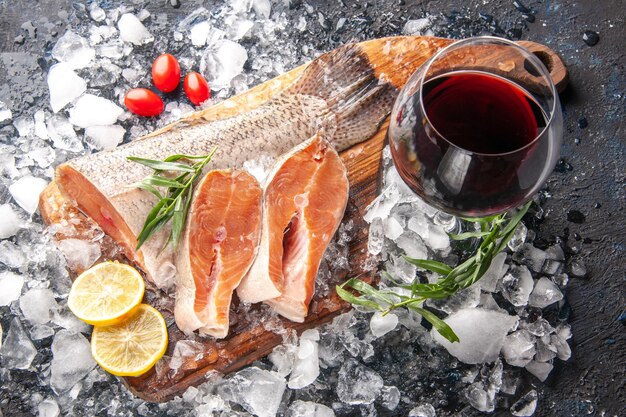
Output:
x=591 y=181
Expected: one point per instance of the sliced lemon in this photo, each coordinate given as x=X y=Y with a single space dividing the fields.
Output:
x=133 y=347
x=106 y=294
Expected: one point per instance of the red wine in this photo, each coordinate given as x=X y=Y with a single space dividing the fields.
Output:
x=481 y=113
x=475 y=153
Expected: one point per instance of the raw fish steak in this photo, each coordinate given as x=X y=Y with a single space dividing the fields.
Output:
x=217 y=249
x=304 y=201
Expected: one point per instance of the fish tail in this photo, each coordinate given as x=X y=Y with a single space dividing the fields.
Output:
x=358 y=100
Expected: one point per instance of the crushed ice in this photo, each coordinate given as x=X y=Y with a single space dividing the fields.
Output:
x=365 y=361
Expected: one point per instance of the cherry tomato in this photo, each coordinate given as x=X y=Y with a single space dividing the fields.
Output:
x=143 y=102
x=166 y=73
x=196 y=88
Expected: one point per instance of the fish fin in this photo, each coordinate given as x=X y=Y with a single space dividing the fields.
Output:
x=359 y=101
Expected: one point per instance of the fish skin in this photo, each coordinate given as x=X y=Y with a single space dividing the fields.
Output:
x=337 y=93
x=305 y=197
x=217 y=248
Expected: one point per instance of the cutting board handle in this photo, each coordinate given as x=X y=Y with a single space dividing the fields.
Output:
x=552 y=61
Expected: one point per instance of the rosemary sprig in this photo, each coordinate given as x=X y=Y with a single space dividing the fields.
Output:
x=174 y=203
x=495 y=232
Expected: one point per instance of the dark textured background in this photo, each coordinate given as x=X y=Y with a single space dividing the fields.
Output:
x=590 y=178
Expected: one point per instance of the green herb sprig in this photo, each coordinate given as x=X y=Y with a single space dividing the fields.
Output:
x=174 y=203
x=495 y=232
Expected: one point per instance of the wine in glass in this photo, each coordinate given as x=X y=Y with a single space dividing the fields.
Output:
x=477 y=129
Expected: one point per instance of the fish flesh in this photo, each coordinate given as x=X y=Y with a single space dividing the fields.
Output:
x=217 y=248
x=304 y=200
x=338 y=93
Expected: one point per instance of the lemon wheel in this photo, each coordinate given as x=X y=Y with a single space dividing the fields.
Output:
x=106 y=294
x=133 y=347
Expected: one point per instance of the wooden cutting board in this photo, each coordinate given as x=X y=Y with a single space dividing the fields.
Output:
x=253 y=334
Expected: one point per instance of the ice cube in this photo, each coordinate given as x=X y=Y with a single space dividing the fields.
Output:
x=517 y=285
x=448 y=222
x=489 y=303
x=390 y=397
x=224 y=64
x=546 y=351
x=25 y=126
x=48 y=408
x=74 y=50
x=11 y=255
x=104 y=137
x=481 y=333
x=376 y=237
x=306 y=367
x=478 y=397
x=423 y=410
x=381 y=325
x=525 y=406
x=259 y=392
x=564 y=331
x=563 y=350
x=63 y=135
x=519 y=348
x=283 y=358
x=41 y=331
x=437 y=238
x=104 y=74
x=240 y=28
x=510 y=381
x=10 y=287
x=91 y=110
x=416 y=26
x=79 y=254
x=489 y=281
x=518 y=238
x=5 y=114
x=26 y=191
x=382 y=205
x=419 y=224
x=301 y=408
x=539 y=327
x=10 y=223
x=358 y=384
x=412 y=245
x=36 y=305
x=17 y=351
x=539 y=369
x=40 y=125
x=63 y=317
x=466 y=298
x=71 y=360
x=544 y=294
x=400 y=269
x=262 y=8
x=96 y=12
x=393 y=228
x=552 y=267
x=65 y=86
x=186 y=354
x=533 y=257
x=199 y=33
x=578 y=269
x=561 y=280
x=133 y=31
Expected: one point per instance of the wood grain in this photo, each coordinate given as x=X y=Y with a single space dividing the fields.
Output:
x=394 y=60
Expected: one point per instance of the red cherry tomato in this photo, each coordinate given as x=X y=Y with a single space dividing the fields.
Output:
x=143 y=102
x=196 y=88
x=166 y=73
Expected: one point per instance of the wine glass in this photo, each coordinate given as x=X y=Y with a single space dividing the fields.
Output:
x=477 y=129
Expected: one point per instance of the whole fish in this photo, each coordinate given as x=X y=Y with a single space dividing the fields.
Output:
x=338 y=93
